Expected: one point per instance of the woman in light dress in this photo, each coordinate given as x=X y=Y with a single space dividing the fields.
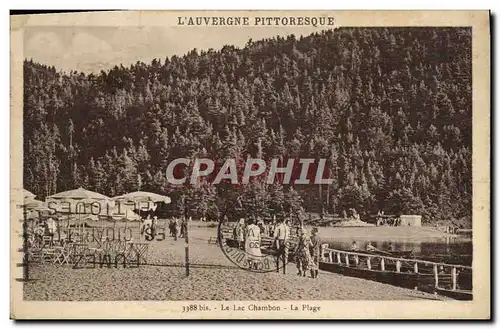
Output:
x=252 y=241
x=239 y=233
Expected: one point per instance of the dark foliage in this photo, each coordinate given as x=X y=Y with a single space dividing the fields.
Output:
x=390 y=108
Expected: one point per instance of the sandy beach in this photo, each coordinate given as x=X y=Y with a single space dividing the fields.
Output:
x=212 y=277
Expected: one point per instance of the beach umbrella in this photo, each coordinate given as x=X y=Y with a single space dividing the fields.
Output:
x=68 y=200
x=74 y=198
x=140 y=196
x=45 y=209
x=28 y=195
x=142 y=201
x=123 y=212
x=78 y=194
x=31 y=204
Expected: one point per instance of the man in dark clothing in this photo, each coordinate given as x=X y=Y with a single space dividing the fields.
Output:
x=282 y=236
x=184 y=224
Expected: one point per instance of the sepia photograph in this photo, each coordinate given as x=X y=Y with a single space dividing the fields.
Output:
x=250 y=164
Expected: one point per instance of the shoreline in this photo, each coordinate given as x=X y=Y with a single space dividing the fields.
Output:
x=384 y=232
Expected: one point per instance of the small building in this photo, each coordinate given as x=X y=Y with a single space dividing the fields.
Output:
x=410 y=220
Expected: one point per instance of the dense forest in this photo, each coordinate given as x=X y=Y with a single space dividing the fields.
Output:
x=390 y=108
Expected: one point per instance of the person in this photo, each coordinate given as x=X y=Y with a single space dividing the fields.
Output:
x=175 y=228
x=171 y=226
x=142 y=225
x=298 y=230
x=354 y=214
x=184 y=227
x=148 y=222
x=398 y=221
x=181 y=233
x=262 y=226
x=316 y=252
x=391 y=247
x=370 y=247
x=154 y=226
x=281 y=236
x=354 y=246
x=272 y=227
x=252 y=239
x=51 y=229
x=302 y=253
x=147 y=225
x=239 y=233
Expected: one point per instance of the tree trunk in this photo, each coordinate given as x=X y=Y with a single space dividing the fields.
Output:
x=328 y=199
x=320 y=199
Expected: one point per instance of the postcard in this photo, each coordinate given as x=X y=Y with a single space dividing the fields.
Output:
x=250 y=165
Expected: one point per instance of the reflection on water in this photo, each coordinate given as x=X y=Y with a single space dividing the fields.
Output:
x=455 y=246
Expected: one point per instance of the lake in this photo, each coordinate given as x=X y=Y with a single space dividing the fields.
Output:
x=422 y=247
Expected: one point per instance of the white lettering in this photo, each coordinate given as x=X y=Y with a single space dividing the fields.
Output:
x=197 y=172
x=230 y=165
x=286 y=170
x=250 y=172
x=319 y=174
x=170 y=171
x=303 y=172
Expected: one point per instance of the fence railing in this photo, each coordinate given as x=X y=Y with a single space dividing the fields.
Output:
x=343 y=257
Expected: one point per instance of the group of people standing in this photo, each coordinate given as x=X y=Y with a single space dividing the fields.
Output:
x=307 y=251
x=177 y=229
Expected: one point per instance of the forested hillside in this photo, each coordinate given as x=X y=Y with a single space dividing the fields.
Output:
x=391 y=110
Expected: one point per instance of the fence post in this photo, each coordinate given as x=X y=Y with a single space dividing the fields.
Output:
x=330 y=256
x=454 y=278
x=369 y=263
x=356 y=260
x=186 y=237
x=398 y=266
x=415 y=267
x=436 y=276
x=347 y=259
x=339 y=260
x=382 y=264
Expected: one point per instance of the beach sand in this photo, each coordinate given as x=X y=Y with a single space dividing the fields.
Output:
x=212 y=277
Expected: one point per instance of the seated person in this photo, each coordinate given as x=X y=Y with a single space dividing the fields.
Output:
x=370 y=247
x=354 y=246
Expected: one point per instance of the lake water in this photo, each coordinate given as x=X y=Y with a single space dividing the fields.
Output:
x=423 y=247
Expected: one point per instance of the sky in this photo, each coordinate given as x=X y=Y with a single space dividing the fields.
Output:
x=91 y=49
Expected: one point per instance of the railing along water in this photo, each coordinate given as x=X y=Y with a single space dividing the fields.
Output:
x=334 y=256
